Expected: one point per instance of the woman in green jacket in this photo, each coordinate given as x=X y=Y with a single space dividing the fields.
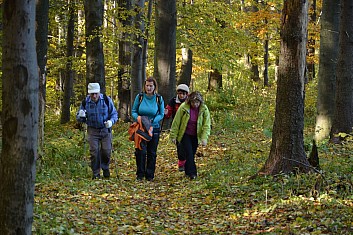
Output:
x=191 y=126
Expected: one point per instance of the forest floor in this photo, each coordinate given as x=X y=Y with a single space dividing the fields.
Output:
x=222 y=200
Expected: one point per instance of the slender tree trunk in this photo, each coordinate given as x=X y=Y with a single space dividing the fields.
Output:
x=146 y=38
x=343 y=117
x=42 y=11
x=328 y=56
x=125 y=61
x=19 y=117
x=311 y=43
x=69 y=75
x=287 y=150
x=186 y=66
x=137 y=52
x=266 y=55
x=95 y=71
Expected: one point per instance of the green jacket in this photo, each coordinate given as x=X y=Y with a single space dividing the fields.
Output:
x=182 y=117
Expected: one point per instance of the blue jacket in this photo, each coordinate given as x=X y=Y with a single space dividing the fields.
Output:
x=148 y=107
x=98 y=113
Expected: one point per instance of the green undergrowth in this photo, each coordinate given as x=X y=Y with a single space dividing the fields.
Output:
x=224 y=199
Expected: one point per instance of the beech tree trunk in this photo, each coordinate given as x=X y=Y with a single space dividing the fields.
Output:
x=19 y=117
x=343 y=117
x=69 y=73
x=42 y=11
x=137 y=51
x=95 y=71
x=287 y=150
x=125 y=61
x=329 y=36
x=186 y=66
x=165 y=47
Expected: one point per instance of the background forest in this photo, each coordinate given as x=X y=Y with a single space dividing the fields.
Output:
x=228 y=50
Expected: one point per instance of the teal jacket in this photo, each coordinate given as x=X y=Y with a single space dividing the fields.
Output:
x=181 y=120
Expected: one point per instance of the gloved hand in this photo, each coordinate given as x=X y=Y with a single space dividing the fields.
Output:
x=82 y=113
x=108 y=124
x=174 y=141
x=204 y=142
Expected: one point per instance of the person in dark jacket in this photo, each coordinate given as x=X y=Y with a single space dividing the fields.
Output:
x=170 y=111
x=99 y=117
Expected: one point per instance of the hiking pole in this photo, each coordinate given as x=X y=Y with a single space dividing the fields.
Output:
x=84 y=145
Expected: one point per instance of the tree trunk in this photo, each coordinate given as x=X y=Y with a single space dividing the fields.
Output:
x=137 y=52
x=214 y=80
x=125 y=62
x=165 y=47
x=311 y=43
x=186 y=66
x=329 y=37
x=19 y=117
x=69 y=75
x=95 y=71
x=343 y=119
x=287 y=150
x=42 y=11
x=266 y=55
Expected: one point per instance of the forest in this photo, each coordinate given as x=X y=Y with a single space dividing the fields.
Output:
x=276 y=77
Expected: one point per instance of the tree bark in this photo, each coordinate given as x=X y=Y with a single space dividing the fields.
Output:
x=186 y=66
x=125 y=61
x=165 y=47
x=19 y=117
x=329 y=36
x=95 y=71
x=137 y=52
x=42 y=11
x=343 y=117
x=69 y=73
x=287 y=150
x=214 y=80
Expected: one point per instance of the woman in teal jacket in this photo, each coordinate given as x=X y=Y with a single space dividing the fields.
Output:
x=191 y=126
x=151 y=105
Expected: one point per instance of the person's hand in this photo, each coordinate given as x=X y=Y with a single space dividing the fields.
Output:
x=165 y=111
x=108 y=124
x=82 y=113
x=204 y=142
x=174 y=141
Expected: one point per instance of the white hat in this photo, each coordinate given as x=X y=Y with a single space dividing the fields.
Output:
x=93 y=88
x=183 y=87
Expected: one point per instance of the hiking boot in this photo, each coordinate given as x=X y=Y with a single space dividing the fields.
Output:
x=193 y=177
x=149 y=179
x=139 y=178
x=181 y=168
x=106 y=173
x=94 y=177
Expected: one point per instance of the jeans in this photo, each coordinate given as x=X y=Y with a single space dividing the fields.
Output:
x=100 y=147
x=188 y=146
x=146 y=158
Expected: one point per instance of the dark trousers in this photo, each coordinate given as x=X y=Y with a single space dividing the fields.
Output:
x=181 y=155
x=100 y=147
x=147 y=157
x=188 y=146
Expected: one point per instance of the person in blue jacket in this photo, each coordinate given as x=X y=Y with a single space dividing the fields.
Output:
x=150 y=104
x=99 y=113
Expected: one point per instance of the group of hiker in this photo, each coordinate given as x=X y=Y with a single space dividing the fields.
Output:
x=190 y=127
